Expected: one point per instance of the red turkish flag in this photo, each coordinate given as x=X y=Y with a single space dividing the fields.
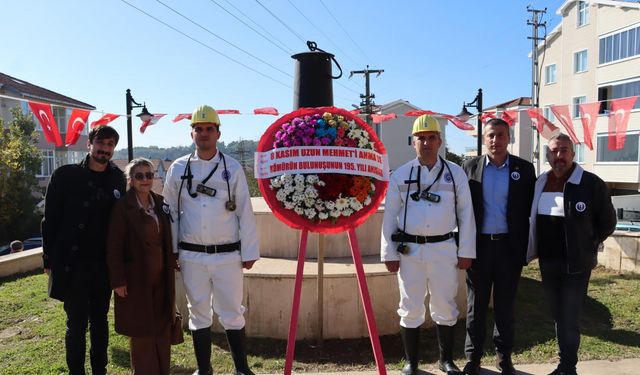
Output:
x=104 y=120
x=510 y=116
x=544 y=126
x=228 y=111
x=382 y=118
x=45 y=117
x=265 y=111
x=75 y=125
x=562 y=114
x=486 y=116
x=589 y=117
x=618 y=120
x=182 y=116
x=154 y=119
x=419 y=112
x=458 y=123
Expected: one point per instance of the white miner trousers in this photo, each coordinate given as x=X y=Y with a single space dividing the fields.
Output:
x=429 y=268
x=213 y=282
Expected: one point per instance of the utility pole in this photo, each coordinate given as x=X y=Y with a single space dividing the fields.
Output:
x=241 y=153
x=367 y=103
x=535 y=71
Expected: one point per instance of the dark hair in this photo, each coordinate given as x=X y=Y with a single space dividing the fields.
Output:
x=103 y=132
x=562 y=137
x=497 y=122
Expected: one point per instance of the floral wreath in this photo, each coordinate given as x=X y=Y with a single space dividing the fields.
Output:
x=322 y=202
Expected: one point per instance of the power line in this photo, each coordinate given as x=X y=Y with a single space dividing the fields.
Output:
x=282 y=22
x=346 y=32
x=205 y=45
x=282 y=46
x=224 y=40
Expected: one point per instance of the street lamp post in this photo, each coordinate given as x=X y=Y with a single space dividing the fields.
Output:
x=464 y=115
x=144 y=116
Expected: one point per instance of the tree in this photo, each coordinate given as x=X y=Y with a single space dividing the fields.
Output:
x=19 y=162
x=458 y=159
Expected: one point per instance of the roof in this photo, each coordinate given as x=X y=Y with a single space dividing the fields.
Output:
x=523 y=101
x=25 y=90
x=391 y=107
x=616 y=3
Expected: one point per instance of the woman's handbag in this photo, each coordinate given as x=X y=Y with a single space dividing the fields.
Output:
x=177 y=336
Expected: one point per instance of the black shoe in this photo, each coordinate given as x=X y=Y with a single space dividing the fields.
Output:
x=202 y=348
x=449 y=367
x=408 y=369
x=505 y=366
x=563 y=372
x=471 y=368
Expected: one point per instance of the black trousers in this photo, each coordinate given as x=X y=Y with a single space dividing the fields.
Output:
x=565 y=293
x=494 y=268
x=87 y=304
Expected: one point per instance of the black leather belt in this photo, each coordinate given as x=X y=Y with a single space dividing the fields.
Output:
x=406 y=237
x=495 y=236
x=210 y=249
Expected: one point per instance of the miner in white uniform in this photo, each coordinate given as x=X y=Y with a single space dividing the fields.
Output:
x=427 y=199
x=215 y=236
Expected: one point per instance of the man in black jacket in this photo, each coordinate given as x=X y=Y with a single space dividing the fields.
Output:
x=74 y=229
x=571 y=215
x=501 y=189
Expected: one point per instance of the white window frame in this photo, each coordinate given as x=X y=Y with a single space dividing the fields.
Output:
x=60 y=115
x=582 y=13
x=550 y=74
x=630 y=133
x=579 y=149
x=548 y=113
x=575 y=102
x=577 y=68
x=48 y=160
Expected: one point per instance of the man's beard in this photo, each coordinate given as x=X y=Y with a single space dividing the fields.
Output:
x=101 y=157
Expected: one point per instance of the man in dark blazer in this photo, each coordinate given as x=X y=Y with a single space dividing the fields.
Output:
x=501 y=190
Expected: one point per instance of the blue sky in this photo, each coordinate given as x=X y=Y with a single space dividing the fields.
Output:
x=435 y=54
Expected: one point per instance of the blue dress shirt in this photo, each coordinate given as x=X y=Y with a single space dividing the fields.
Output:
x=495 y=191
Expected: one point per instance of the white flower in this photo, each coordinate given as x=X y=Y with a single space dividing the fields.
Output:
x=330 y=205
x=319 y=205
x=373 y=187
x=281 y=196
x=309 y=202
x=297 y=197
x=367 y=201
x=287 y=178
x=311 y=192
x=276 y=183
x=299 y=179
x=321 y=183
x=310 y=213
x=342 y=203
x=312 y=179
x=334 y=213
x=299 y=187
x=299 y=210
x=323 y=215
x=347 y=212
x=289 y=205
x=355 y=204
x=288 y=189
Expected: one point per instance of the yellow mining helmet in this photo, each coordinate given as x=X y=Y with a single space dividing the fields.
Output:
x=205 y=114
x=425 y=123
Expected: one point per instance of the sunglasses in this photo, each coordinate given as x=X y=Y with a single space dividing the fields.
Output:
x=141 y=176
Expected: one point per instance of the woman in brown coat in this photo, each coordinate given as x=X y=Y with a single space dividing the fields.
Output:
x=141 y=271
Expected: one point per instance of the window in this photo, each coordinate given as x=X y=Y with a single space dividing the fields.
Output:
x=579 y=150
x=576 y=105
x=580 y=62
x=548 y=113
x=48 y=163
x=618 y=46
x=628 y=154
x=622 y=90
x=60 y=115
x=583 y=13
x=550 y=74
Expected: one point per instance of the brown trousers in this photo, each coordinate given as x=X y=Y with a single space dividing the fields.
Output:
x=151 y=355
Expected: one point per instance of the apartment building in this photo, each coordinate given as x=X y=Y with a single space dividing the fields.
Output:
x=594 y=55
x=15 y=92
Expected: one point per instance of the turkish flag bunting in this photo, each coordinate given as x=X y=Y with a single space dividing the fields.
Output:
x=75 y=126
x=47 y=121
x=382 y=118
x=265 y=111
x=618 y=119
x=154 y=119
x=228 y=111
x=589 y=117
x=104 y=120
x=510 y=116
x=355 y=112
x=562 y=114
x=182 y=116
x=419 y=112
x=458 y=123
x=544 y=126
x=486 y=116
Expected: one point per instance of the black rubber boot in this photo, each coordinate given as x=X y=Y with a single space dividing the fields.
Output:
x=410 y=340
x=445 y=344
x=238 y=348
x=202 y=348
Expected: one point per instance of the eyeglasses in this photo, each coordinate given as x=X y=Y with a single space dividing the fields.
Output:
x=141 y=176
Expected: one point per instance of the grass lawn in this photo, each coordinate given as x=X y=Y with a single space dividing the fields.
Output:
x=32 y=333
